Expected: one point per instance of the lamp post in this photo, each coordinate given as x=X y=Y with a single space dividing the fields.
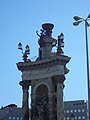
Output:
x=26 y=53
x=78 y=20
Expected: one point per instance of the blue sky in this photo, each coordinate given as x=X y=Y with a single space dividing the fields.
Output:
x=19 y=21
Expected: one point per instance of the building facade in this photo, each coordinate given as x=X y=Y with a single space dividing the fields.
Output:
x=12 y=112
x=78 y=108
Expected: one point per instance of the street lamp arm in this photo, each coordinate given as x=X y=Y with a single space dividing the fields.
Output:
x=88 y=16
x=76 y=18
x=77 y=23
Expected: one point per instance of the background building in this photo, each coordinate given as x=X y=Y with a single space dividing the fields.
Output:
x=11 y=112
x=78 y=108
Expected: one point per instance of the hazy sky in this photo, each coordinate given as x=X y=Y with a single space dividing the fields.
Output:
x=19 y=21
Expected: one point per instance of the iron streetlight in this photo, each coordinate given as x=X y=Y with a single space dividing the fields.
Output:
x=26 y=53
x=78 y=20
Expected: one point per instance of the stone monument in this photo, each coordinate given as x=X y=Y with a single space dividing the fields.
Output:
x=46 y=76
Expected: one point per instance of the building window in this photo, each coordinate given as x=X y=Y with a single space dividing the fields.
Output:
x=75 y=118
x=79 y=117
x=17 y=118
x=79 y=110
x=13 y=118
x=67 y=111
x=71 y=111
x=83 y=117
x=75 y=110
x=79 y=103
x=67 y=118
x=83 y=110
x=10 y=118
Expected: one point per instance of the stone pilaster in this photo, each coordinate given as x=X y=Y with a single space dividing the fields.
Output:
x=60 y=106
x=25 y=102
x=59 y=79
x=33 y=107
x=51 y=116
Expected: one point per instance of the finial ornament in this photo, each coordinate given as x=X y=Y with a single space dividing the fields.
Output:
x=60 y=43
x=46 y=41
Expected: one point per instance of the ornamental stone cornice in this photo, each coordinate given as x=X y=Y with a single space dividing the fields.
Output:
x=54 y=60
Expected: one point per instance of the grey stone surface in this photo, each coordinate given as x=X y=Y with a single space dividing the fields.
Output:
x=43 y=73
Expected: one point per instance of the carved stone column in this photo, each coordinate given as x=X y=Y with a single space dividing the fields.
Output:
x=25 y=103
